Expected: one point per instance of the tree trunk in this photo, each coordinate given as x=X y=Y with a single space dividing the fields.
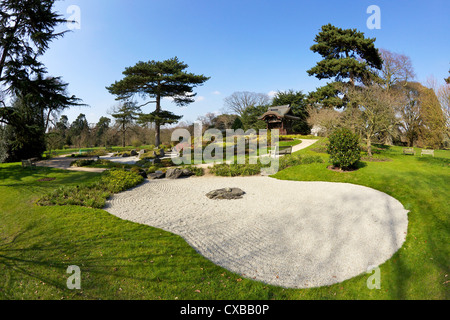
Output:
x=157 y=124
x=369 y=146
x=123 y=136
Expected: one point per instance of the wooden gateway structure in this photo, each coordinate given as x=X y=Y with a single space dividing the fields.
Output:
x=280 y=118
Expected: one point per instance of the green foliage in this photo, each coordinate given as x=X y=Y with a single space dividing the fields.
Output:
x=156 y=80
x=27 y=29
x=237 y=124
x=197 y=171
x=93 y=195
x=233 y=170
x=297 y=101
x=326 y=97
x=292 y=160
x=94 y=237
x=344 y=148
x=347 y=55
x=250 y=117
x=82 y=163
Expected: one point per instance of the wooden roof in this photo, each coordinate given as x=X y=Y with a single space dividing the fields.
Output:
x=280 y=112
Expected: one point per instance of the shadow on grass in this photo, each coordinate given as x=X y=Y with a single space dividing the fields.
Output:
x=442 y=162
x=15 y=175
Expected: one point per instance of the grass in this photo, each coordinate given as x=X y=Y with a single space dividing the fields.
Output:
x=124 y=260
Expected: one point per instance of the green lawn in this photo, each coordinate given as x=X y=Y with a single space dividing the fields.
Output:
x=125 y=260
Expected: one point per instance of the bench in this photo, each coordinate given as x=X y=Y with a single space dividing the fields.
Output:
x=408 y=151
x=279 y=151
x=29 y=163
x=427 y=152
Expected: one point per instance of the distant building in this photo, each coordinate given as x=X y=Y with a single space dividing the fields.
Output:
x=280 y=118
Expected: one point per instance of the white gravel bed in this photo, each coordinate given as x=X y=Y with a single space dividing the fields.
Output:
x=288 y=233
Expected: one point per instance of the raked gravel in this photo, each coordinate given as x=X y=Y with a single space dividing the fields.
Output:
x=287 y=233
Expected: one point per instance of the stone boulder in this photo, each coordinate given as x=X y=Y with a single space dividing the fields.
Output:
x=187 y=173
x=133 y=153
x=226 y=194
x=125 y=155
x=174 y=173
x=156 y=175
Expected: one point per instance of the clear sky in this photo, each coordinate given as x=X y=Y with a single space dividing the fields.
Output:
x=243 y=45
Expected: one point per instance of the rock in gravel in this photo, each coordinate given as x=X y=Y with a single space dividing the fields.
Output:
x=174 y=173
x=226 y=194
x=156 y=175
x=187 y=173
x=141 y=153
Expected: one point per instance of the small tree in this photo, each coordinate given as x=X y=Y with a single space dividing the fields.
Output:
x=344 y=148
x=371 y=113
x=125 y=115
x=237 y=124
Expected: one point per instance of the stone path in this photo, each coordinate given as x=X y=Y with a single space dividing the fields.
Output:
x=62 y=162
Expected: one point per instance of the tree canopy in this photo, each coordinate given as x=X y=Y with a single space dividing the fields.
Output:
x=348 y=57
x=297 y=101
x=27 y=28
x=346 y=53
x=157 y=80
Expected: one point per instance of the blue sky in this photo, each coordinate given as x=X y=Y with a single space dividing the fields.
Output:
x=243 y=45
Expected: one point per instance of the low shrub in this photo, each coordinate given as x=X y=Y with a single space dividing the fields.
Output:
x=344 y=148
x=197 y=171
x=91 y=153
x=82 y=163
x=93 y=195
x=233 y=170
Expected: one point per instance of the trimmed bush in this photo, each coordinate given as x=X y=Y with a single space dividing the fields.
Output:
x=233 y=170
x=344 y=148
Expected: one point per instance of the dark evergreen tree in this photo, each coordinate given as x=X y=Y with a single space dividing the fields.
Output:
x=298 y=103
x=347 y=55
x=26 y=29
x=102 y=127
x=237 y=124
x=157 y=80
x=250 y=117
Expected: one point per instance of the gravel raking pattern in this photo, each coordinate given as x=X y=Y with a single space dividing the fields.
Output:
x=288 y=233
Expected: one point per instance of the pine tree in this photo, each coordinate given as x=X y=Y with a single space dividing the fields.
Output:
x=347 y=55
x=157 y=80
